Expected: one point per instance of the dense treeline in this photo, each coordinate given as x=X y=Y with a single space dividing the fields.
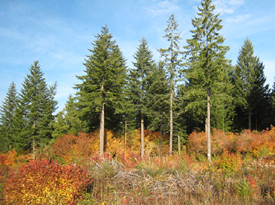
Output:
x=192 y=88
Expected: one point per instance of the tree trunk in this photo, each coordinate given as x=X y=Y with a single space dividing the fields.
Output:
x=33 y=143
x=33 y=149
x=179 y=143
x=125 y=138
x=101 y=131
x=208 y=127
x=142 y=137
x=171 y=121
x=160 y=139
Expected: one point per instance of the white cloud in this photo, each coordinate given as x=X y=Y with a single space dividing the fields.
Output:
x=163 y=7
x=227 y=6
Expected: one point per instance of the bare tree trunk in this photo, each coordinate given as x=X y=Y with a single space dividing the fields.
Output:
x=33 y=144
x=179 y=143
x=160 y=139
x=171 y=120
x=208 y=127
x=142 y=137
x=101 y=131
x=125 y=138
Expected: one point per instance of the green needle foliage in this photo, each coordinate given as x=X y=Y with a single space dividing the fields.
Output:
x=67 y=120
x=7 y=112
x=158 y=100
x=139 y=84
x=172 y=63
x=35 y=110
x=103 y=84
x=251 y=93
x=158 y=97
x=207 y=72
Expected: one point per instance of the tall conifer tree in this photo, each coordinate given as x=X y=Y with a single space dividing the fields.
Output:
x=138 y=84
x=249 y=80
x=35 y=110
x=102 y=86
x=207 y=73
x=158 y=100
x=7 y=113
x=172 y=62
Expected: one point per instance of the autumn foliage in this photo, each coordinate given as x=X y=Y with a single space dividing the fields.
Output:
x=45 y=182
x=71 y=148
x=12 y=158
x=229 y=163
x=258 y=144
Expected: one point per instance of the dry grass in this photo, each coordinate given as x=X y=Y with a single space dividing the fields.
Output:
x=179 y=180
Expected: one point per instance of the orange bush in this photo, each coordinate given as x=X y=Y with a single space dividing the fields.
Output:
x=256 y=143
x=72 y=148
x=45 y=182
x=11 y=159
x=151 y=141
x=229 y=163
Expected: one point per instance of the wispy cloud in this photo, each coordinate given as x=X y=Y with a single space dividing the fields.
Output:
x=227 y=6
x=163 y=7
x=238 y=19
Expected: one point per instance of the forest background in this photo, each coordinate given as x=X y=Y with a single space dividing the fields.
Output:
x=137 y=94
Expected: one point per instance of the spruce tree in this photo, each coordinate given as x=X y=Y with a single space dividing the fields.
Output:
x=67 y=120
x=207 y=74
x=35 y=110
x=172 y=62
x=251 y=92
x=102 y=87
x=158 y=100
x=60 y=127
x=138 y=84
x=7 y=113
x=181 y=118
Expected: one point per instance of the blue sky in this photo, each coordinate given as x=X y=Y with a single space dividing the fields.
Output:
x=59 y=33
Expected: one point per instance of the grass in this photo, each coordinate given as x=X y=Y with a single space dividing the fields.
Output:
x=164 y=180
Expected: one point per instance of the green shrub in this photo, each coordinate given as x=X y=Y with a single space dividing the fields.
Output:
x=243 y=189
x=45 y=182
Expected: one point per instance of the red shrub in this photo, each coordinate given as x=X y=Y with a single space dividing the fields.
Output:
x=45 y=182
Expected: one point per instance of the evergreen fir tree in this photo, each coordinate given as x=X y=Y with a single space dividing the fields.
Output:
x=181 y=118
x=138 y=84
x=60 y=127
x=67 y=120
x=102 y=87
x=35 y=110
x=171 y=63
x=207 y=75
x=251 y=92
x=158 y=100
x=7 y=113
